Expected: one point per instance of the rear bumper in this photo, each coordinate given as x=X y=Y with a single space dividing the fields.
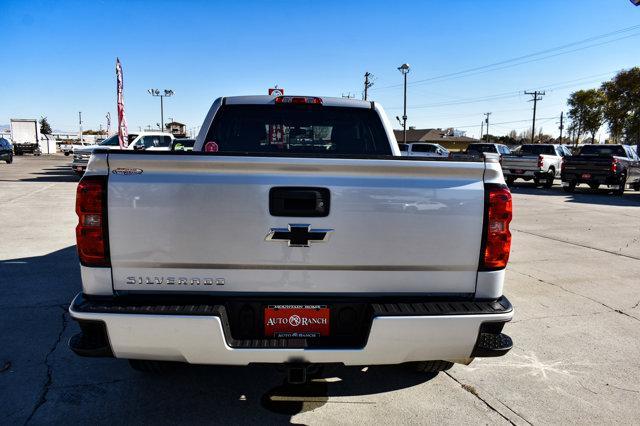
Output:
x=200 y=334
x=599 y=178
x=526 y=174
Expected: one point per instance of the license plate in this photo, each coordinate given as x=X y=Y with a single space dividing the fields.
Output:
x=296 y=321
x=586 y=176
x=519 y=172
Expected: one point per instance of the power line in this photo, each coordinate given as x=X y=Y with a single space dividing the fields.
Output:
x=510 y=94
x=492 y=66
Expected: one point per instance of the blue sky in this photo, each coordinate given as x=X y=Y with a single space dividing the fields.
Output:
x=58 y=57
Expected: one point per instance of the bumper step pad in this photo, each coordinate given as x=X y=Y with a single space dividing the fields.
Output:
x=492 y=345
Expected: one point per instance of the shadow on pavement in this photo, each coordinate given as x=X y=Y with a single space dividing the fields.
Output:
x=50 y=384
x=582 y=194
x=51 y=174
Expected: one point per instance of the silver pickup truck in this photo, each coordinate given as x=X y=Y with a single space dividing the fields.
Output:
x=293 y=233
x=541 y=163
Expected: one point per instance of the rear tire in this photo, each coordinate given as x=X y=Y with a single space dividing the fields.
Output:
x=536 y=181
x=154 y=367
x=569 y=188
x=636 y=186
x=623 y=185
x=594 y=186
x=430 y=366
x=10 y=160
x=551 y=175
x=510 y=181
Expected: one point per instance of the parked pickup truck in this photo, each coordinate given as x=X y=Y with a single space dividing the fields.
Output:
x=283 y=238
x=151 y=141
x=614 y=166
x=537 y=162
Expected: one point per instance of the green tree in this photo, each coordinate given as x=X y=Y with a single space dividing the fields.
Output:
x=622 y=105
x=586 y=111
x=45 y=128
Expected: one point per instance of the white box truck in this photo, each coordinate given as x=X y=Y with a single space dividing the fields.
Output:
x=25 y=136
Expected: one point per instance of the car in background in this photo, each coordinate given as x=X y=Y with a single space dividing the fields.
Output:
x=182 y=144
x=421 y=149
x=492 y=148
x=6 y=151
x=68 y=148
x=146 y=141
x=540 y=162
x=615 y=166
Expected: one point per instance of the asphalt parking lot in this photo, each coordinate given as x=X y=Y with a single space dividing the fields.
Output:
x=574 y=279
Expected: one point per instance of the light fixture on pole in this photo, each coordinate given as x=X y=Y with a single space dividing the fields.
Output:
x=165 y=93
x=404 y=70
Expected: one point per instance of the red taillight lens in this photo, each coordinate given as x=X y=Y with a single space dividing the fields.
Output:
x=540 y=161
x=91 y=235
x=298 y=100
x=498 y=214
x=614 y=165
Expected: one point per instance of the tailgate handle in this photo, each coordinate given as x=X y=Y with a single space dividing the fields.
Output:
x=299 y=201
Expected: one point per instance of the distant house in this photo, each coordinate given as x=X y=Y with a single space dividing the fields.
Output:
x=178 y=130
x=451 y=139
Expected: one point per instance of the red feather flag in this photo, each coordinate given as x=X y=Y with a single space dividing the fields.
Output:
x=122 y=121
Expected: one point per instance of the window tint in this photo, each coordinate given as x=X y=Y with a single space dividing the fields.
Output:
x=403 y=147
x=112 y=141
x=298 y=129
x=604 y=150
x=538 y=149
x=416 y=147
x=482 y=147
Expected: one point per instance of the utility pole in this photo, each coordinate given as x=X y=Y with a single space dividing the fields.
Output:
x=561 y=125
x=80 y=121
x=487 y=114
x=481 y=129
x=537 y=96
x=367 y=84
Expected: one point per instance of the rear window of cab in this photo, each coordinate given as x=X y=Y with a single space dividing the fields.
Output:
x=298 y=129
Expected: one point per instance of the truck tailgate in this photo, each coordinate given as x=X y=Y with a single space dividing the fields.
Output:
x=520 y=163
x=199 y=223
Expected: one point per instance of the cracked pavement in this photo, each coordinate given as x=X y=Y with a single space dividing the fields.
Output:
x=573 y=279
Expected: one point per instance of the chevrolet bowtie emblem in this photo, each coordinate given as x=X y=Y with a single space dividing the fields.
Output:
x=299 y=235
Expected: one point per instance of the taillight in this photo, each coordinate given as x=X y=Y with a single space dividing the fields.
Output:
x=497 y=237
x=540 y=161
x=91 y=232
x=614 y=165
x=298 y=100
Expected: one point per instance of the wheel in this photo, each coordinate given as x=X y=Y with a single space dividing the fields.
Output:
x=636 y=186
x=623 y=184
x=536 y=181
x=66 y=154
x=155 y=367
x=570 y=188
x=430 y=366
x=551 y=175
x=510 y=180
x=594 y=186
x=10 y=160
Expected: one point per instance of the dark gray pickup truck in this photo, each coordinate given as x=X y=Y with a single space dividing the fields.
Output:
x=615 y=166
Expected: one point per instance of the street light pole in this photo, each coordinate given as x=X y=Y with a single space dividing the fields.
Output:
x=404 y=69
x=165 y=92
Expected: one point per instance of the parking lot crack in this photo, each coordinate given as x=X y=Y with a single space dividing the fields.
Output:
x=472 y=390
x=619 y=311
x=42 y=398
x=578 y=244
